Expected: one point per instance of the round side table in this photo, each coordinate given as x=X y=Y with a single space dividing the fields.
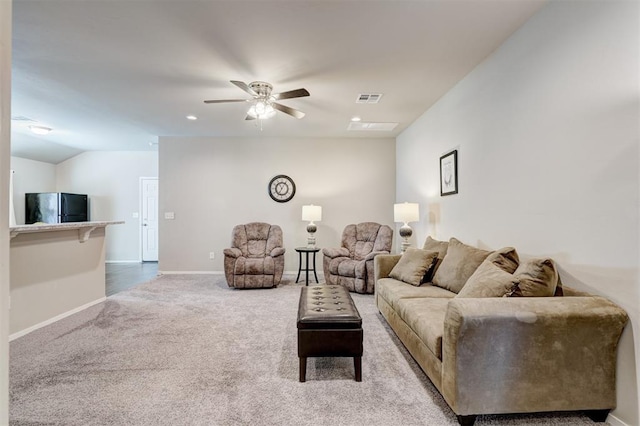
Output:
x=306 y=269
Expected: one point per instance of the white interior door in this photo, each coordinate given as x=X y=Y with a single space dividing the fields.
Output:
x=149 y=220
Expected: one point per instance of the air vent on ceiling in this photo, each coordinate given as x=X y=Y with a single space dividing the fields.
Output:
x=376 y=127
x=22 y=118
x=368 y=98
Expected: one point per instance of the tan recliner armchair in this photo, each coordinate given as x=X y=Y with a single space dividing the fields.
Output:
x=256 y=258
x=352 y=264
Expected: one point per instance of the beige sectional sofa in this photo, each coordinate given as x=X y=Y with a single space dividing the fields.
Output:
x=488 y=354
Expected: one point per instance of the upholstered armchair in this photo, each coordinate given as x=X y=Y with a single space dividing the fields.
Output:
x=256 y=258
x=352 y=264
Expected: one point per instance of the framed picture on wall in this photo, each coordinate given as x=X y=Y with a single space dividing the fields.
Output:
x=449 y=173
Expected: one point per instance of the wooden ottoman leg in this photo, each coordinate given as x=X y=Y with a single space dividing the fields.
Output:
x=357 y=363
x=303 y=368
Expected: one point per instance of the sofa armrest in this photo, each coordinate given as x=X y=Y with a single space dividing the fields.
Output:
x=335 y=252
x=373 y=254
x=232 y=252
x=511 y=355
x=383 y=264
x=278 y=251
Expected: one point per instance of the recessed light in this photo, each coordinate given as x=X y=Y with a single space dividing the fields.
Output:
x=191 y=117
x=355 y=119
x=40 y=130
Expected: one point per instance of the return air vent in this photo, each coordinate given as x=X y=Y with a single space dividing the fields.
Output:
x=375 y=127
x=368 y=98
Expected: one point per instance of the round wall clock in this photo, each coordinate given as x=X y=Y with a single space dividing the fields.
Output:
x=282 y=188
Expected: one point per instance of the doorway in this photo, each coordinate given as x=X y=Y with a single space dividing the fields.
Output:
x=149 y=219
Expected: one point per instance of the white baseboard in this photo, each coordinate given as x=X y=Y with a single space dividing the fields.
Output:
x=54 y=319
x=320 y=275
x=122 y=261
x=302 y=273
x=614 y=421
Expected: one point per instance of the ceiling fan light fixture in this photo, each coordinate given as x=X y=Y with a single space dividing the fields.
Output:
x=264 y=105
x=261 y=110
x=40 y=130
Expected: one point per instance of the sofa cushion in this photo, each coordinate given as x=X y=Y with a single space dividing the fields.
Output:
x=425 y=316
x=412 y=265
x=494 y=277
x=434 y=245
x=460 y=262
x=536 y=278
x=393 y=290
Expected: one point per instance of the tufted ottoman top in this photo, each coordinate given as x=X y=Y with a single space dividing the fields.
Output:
x=327 y=306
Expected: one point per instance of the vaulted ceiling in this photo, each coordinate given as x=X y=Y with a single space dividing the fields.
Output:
x=116 y=74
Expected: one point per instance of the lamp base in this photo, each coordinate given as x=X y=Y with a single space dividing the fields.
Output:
x=405 y=233
x=311 y=241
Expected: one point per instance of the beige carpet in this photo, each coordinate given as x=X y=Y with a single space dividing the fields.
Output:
x=187 y=350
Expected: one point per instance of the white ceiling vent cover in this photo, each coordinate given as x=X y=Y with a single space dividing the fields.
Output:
x=368 y=98
x=372 y=127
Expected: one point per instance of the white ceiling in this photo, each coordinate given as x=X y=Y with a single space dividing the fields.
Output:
x=116 y=74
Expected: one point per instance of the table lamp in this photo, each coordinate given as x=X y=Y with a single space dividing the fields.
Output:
x=405 y=213
x=311 y=213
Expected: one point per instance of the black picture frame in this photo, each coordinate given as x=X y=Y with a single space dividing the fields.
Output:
x=449 y=173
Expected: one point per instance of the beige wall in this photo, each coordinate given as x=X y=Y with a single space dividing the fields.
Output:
x=112 y=181
x=53 y=273
x=30 y=176
x=5 y=149
x=547 y=134
x=212 y=184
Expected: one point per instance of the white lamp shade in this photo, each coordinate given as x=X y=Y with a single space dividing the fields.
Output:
x=311 y=213
x=406 y=212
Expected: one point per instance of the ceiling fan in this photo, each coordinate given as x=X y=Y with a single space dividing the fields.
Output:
x=263 y=103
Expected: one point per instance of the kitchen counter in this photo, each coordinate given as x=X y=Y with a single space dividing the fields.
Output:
x=56 y=270
x=84 y=228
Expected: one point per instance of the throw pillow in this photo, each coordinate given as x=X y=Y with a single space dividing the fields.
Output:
x=494 y=277
x=460 y=262
x=506 y=259
x=536 y=278
x=434 y=245
x=412 y=265
x=489 y=280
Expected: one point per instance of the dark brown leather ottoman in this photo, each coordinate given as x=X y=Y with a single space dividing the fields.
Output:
x=328 y=325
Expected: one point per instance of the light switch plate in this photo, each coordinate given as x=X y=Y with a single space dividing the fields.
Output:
x=135 y=215
x=169 y=215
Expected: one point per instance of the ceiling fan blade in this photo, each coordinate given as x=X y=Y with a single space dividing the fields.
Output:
x=219 y=101
x=288 y=110
x=298 y=93
x=248 y=117
x=244 y=86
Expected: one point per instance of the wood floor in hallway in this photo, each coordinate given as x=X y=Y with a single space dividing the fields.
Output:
x=123 y=276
